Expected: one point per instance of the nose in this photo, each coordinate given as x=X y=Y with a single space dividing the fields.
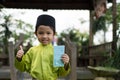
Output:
x=45 y=35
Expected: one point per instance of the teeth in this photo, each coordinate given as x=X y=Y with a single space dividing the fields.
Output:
x=44 y=40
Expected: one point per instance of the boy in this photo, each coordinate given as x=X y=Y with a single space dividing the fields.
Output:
x=38 y=61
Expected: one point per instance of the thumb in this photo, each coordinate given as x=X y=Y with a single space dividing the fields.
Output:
x=21 y=48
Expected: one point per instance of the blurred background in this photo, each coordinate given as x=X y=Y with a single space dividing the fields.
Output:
x=95 y=31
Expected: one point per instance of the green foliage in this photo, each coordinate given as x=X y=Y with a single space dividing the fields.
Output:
x=11 y=28
x=99 y=24
x=25 y=28
x=114 y=61
x=118 y=21
x=109 y=15
x=5 y=33
x=103 y=23
x=109 y=18
x=80 y=39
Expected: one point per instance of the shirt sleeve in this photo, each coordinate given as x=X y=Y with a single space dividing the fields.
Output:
x=25 y=63
x=62 y=72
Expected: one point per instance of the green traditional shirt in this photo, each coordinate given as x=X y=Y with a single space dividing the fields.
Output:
x=38 y=61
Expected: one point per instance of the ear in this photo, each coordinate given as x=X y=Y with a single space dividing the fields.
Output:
x=55 y=33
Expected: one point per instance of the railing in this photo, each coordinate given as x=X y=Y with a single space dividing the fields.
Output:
x=100 y=50
x=94 y=55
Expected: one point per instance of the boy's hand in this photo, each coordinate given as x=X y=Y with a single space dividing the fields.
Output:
x=65 y=58
x=20 y=53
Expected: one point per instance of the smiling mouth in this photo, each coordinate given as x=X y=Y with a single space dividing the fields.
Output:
x=44 y=41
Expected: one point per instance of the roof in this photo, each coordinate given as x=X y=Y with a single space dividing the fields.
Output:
x=48 y=4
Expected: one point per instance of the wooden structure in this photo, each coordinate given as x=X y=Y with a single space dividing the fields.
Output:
x=98 y=54
x=12 y=48
x=3 y=56
x=61 y=4
x=114 y=42
x=114 y=15
x=11 y=59
x=9 y=72
x=48 y=4
x=71 y=51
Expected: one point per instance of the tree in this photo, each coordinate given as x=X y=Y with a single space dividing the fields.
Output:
x=114 y=60
x=80 y=39
x=109 y=19
x=5 y=33
x=11 y=28
x=103 y=23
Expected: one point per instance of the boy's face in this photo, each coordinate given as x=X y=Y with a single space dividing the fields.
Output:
x=44 y=34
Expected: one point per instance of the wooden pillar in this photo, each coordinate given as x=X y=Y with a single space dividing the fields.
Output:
x=114 y=44
x=91 y=36
x=98 y=4
x=71 y=51
x=11 y=61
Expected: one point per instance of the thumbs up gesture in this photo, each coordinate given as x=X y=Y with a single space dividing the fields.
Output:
x=20 y=53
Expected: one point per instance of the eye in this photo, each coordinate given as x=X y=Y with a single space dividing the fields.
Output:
x=40 y=32
x=48 y=33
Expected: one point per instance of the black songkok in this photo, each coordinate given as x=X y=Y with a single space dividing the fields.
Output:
x=46 y=20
